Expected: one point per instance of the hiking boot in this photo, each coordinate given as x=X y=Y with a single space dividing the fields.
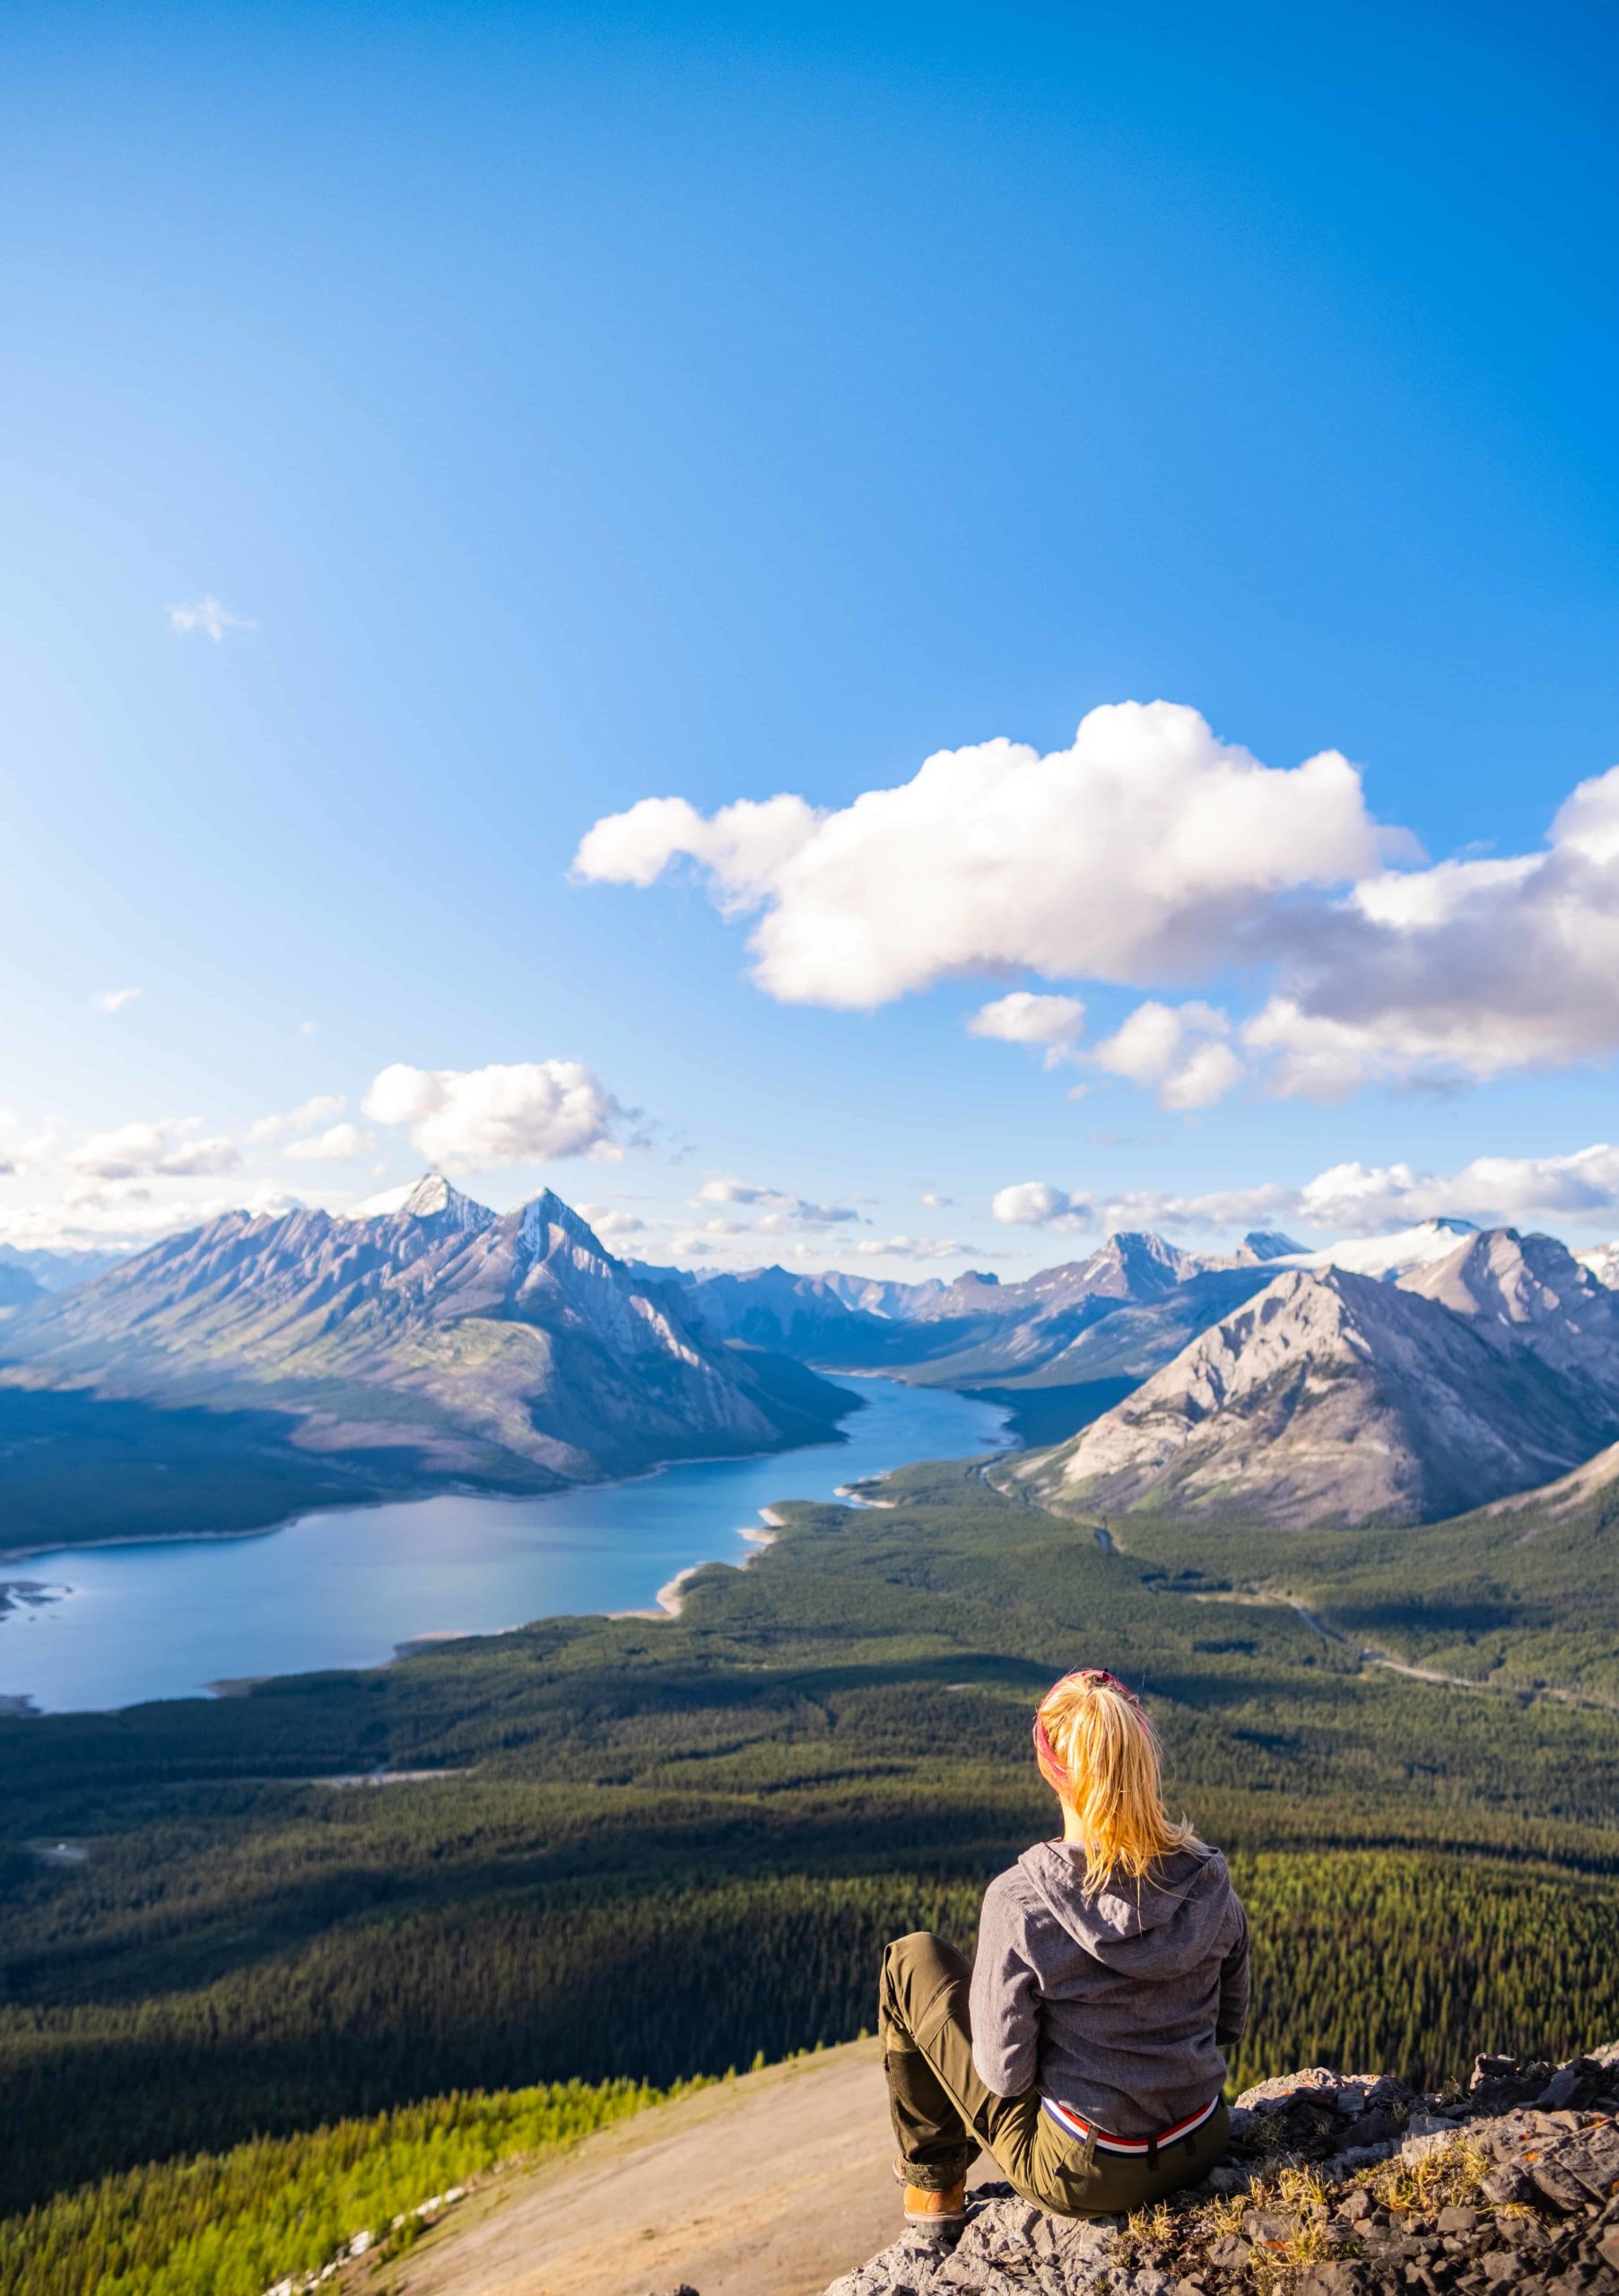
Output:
x=939 y=2216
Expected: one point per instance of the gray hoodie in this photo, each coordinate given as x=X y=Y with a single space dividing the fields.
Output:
x=1117 y=2005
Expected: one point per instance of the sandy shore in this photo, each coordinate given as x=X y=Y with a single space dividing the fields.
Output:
x=670 y=1598
x=855 y=1494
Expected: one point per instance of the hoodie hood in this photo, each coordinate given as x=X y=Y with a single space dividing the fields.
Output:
x=1169 y=1921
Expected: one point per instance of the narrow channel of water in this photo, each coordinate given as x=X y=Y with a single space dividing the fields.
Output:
x=104 y=1627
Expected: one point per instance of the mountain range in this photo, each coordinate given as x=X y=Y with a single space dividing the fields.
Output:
x=1333 y=1395
x=1391 y=1380
x=513 y=1349
x=1046 y=1331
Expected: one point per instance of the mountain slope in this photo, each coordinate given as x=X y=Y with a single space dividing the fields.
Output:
x=1333 y=1397
x=1528 y=1291
x=976 y=1329
x=511 y=1348
x=19 y=1286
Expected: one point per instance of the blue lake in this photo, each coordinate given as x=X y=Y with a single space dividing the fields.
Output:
x=108 y=1626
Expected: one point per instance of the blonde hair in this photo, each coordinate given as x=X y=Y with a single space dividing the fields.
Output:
x=1097 y=1750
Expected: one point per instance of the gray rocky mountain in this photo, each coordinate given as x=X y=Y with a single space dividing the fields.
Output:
x=512 y=1349
x=1334 y=2185
x=1047 y=1329
x=1335 y=1396
x=1528 y=1291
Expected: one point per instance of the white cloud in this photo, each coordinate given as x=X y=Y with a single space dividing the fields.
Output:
x=1358 y=1199
x=783 y=1212
x=208 y=615
x=133 y=1150
x=337 y=1142
x=914 y=1248
x=113 y=1000
x=1177 y=1050
x=528 y=1113
x=733 y=1191
x=1146 y=850
x=933 y=1203
x=1036 y=1204
x=1150 y=853
x=321 y=1109
x=610 y=1224
x=1053 y=1024
x=130 y=1214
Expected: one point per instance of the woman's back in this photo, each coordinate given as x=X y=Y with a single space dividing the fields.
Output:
x=1114 y=2002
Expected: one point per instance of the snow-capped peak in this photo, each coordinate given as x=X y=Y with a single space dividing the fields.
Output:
x=1391 y=1257
x=431 y=1197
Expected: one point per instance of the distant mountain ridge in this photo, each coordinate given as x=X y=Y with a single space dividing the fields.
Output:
x=513 y=1348
x=1125 y=1307
x=1333 y=1395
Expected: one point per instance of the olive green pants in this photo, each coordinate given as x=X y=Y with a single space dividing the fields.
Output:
x=944 y=2116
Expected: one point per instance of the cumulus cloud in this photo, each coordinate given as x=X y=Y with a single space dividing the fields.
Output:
x=337 y=1142
x=113 y=1000
x=528 y=1113
x=1051 y=1023
x=1036 y=1204
x=133 y=1150
x=1145 y=850
x=1177 y=1051
x=1150 y=853
x=208 y=615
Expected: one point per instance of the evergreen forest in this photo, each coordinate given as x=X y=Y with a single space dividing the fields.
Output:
x=649 y=1851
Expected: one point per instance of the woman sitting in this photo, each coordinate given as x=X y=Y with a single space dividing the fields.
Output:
x=1084 y=2049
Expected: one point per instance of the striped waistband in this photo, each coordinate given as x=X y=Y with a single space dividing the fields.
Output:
x=1137 y=2147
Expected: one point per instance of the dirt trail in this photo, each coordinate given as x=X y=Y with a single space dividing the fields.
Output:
x=770 y=2185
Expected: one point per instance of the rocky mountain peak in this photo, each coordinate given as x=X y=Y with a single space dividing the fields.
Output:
x=1268 y=1243
x=1335 y=1396
x=433 y=1198
x=1531 y=1291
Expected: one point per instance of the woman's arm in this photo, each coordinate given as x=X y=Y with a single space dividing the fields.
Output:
x=1232 y=2018
x=1006 y=1997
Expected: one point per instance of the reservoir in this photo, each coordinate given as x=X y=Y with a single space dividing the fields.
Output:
x=107 y=1626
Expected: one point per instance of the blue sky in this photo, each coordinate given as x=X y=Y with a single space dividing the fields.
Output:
x=576 y=408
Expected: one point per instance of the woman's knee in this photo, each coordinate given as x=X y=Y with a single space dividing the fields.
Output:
x=914 y=1969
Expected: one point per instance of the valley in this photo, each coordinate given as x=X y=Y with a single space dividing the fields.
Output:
x=1398 y=1716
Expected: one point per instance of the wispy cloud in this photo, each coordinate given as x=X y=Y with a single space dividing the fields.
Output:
x=208 y=615
x=334 y=1145
x=113 y=1000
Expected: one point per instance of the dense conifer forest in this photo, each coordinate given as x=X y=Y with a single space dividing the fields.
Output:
x=654 y=1849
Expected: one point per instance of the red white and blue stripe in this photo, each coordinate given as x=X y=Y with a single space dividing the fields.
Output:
x=1139 y=2148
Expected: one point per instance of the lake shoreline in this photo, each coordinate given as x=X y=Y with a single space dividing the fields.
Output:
x=354 y=1588
x=458 y=1487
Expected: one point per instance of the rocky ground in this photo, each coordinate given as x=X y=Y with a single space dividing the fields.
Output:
x=1333 y=2186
